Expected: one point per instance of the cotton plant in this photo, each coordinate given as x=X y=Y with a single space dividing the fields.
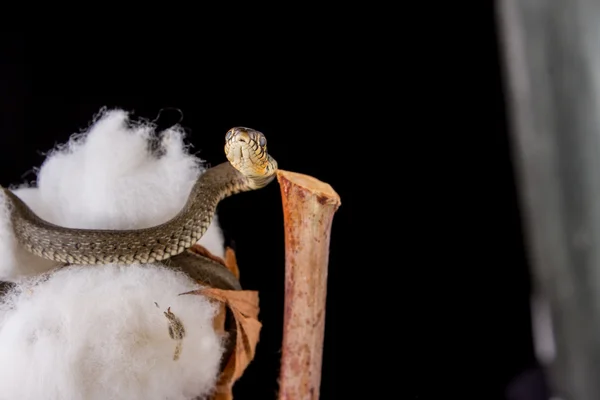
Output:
x=100 y=331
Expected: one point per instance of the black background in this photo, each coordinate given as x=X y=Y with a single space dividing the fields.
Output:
x=452 y=299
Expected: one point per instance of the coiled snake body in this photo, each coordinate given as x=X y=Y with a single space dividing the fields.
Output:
x=250 y=167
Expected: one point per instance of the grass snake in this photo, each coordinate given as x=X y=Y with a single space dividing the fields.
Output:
x=249 y=167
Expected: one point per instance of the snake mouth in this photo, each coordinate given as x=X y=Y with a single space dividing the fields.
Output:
x=246 y=150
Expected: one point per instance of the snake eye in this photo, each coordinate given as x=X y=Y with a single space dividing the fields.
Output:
x=262 y=141
x=229 y=134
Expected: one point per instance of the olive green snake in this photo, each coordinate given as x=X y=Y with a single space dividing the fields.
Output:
x=249 y=167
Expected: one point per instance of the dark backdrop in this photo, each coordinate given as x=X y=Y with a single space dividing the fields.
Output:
x=329 y=111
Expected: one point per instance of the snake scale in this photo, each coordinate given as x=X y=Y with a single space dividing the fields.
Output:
x=249 y=167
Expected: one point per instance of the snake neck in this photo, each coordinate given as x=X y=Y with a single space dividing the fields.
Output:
x=214 y=185
x=220 y=182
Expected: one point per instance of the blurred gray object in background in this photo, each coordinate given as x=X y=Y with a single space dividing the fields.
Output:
x=552 y=59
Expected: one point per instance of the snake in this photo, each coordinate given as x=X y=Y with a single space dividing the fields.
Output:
x=249 y=166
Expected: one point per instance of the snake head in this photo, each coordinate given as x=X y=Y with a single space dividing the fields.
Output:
x=246 y=150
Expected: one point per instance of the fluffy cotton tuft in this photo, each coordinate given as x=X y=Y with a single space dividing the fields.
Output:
x=117 y=175
x=95 y=332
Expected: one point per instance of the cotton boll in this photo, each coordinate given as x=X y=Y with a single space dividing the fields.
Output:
x=108 y=178
x=95 y=333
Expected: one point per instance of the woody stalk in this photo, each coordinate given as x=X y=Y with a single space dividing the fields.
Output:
x=309 y=206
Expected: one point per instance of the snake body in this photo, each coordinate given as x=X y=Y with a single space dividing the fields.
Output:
x=249 y=167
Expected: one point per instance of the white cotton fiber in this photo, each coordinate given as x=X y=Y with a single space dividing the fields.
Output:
x=95 y=333
x=108 y=178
